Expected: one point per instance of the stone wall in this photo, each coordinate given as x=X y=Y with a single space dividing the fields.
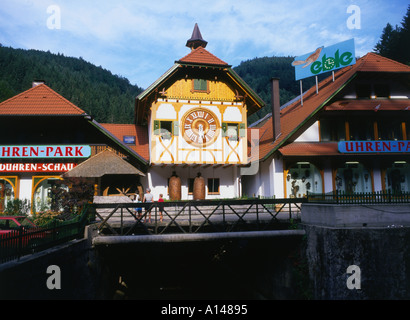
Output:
x=381 y=254
x=356 y=215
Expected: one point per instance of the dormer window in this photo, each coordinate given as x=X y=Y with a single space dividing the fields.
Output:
x=200 y=85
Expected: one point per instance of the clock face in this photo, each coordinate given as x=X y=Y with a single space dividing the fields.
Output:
x=200 y=127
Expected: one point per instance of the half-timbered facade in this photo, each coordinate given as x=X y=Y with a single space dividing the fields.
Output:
x=196 y=114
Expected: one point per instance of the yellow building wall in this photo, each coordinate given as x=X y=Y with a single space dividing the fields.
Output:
x=179 y=100
x=217 y=91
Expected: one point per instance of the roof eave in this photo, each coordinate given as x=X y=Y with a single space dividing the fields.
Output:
x=242 y=83
x=119 y=143
x=161 y=79
x=204 y=65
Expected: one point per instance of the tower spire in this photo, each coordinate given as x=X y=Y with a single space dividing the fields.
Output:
x=196 y=39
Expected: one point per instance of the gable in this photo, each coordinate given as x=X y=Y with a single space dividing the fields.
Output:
x=39 y=100
x=176 y=83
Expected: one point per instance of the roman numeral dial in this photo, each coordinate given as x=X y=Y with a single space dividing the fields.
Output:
x=200 y=127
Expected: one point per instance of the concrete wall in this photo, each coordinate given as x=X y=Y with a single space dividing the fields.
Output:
x=373 y=238
x=381 y=257
x=375 y=215
x=27 y=278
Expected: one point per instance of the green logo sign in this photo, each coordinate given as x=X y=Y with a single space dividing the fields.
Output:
x=329 y=63
x=325 y=59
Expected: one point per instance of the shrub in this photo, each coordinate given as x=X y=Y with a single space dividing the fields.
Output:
x=17 y=207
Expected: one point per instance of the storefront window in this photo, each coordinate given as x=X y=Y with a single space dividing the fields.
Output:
x=302 y=178
x=43 y=194
x=397 y=177
x=6 y=193
x=353 y=177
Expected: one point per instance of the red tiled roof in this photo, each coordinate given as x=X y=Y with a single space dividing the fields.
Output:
x=370 y=105
x=295 y=115
x=310 y=149
x=39 y=100
x=202 y=56
x=374 y=63
x=141 y=146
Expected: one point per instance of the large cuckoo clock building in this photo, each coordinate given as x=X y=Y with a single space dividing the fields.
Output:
x=196 y=114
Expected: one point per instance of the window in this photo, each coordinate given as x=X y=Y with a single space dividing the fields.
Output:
x=200 y=85
x=361 y=129
x=407 y=131
x=363 y=90
x=191 y=185
x=301 y=178
x=213 y=185
x=45 y=195
x=397 y=177
x=353 y=177
x=232 y=131
x=332 y=129
x=6 y=192
x=163 y=128
x=381 y=90
x=390 y=129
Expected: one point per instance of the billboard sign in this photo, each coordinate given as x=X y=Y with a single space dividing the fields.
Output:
x=59 y=151
x=324 y=59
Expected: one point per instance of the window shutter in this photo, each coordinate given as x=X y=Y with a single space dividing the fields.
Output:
x=156 y=126
x=224 y=129
x=175 y=128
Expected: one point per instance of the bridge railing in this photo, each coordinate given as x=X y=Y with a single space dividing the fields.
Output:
x=196 y=216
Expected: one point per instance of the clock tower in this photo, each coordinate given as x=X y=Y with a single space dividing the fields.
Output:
x=196 y=113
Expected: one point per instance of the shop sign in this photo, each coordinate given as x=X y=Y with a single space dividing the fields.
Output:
x=374 y=146
x=36 y=167
x=324 y=59
x=46 y=151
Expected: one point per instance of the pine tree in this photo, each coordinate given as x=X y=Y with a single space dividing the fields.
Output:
x=395 y=42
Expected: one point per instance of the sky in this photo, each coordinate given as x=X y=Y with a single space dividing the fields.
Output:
x=140 y=40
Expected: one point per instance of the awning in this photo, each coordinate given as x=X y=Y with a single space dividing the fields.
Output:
x=103 y=163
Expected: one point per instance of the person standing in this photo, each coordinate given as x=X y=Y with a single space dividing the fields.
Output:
x=138 y=210
x=148 y=197
x=160 y=206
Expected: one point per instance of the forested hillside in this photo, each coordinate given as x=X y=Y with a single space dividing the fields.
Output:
x=107 y=97
x=110 y=98
x=258 y=72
